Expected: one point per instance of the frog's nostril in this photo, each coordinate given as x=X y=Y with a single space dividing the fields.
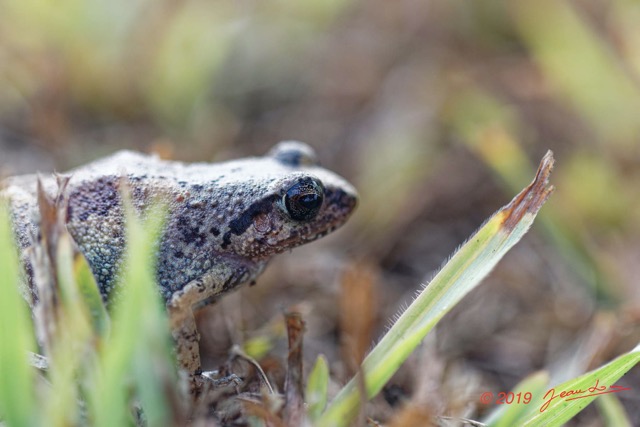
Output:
x=351 y=200
x=341 y=200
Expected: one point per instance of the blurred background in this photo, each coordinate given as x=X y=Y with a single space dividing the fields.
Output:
x=437 y=111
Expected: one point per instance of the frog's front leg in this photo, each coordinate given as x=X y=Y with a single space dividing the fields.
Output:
x=186 y=337
x=220 y=280
x=183 y=325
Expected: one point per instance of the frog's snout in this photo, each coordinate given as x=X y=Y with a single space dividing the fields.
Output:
x=340 y=202
x=344 y=200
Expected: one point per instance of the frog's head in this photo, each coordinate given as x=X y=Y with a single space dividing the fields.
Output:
x=301 y=203
x=227 y=220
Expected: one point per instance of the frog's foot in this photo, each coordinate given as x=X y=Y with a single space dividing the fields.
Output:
x=219 y=382
x=202 y=382
x=38 y=361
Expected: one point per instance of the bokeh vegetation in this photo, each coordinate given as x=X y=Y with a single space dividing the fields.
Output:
x=436 y=111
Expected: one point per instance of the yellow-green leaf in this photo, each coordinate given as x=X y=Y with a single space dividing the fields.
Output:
x=317 y=385
x=16 y=336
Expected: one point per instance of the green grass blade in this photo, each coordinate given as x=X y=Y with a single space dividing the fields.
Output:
x=154 y=367
x=580 y=66
x=84 y=324
x=317 y=385
x=17 y=404
x=612 y=411
x=464 y=271
x=139 y=345
x=557 y=411
x=70 y=342
x=90 y=294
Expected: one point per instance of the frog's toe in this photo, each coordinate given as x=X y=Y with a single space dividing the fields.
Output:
x=212 y=377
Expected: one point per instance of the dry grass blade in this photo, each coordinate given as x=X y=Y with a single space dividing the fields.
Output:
x=531 y=199
x=358 y=307
x=294 y=399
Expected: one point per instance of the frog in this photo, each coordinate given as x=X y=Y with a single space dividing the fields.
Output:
x=225 y=222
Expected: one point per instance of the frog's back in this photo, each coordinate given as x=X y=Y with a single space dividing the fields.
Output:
x=21 y=190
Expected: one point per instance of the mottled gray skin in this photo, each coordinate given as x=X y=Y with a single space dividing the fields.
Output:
x=226 y=220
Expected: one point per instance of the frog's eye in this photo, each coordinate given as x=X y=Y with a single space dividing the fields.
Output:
x=304 y=199
x=294 y=153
